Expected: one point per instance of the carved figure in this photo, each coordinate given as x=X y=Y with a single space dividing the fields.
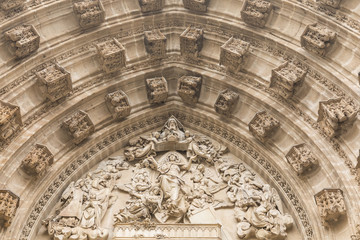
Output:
x=226 y=102
x=79 y=126
x=196 y=5
x=118 y=104
x=90 y=13
x=233 y=54
x=331 y=205
x=263 y=126
x=191 y=42
x=157 y=90
x=9 y=203
x=301 y=159
x=155 y=44
x=112 y=55
x=10 y=120
x=150 y=5
x=9 y=5
x=318 y=39
x=37 y=160
x=189 y=89
x=256 y=12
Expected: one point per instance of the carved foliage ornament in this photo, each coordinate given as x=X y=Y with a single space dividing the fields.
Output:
x=169 y=180
x=10 y=120
x=331 y=3
x=256 y=12
x=118 y=104
x=226 y=102
x=157 y=90
x=191 y=42
x=79 y=126
x=155 y=44
x=196 y=5
x=9 y=203
x=331 y=205
x=318 y=39
x=189 y=89
x=301 y=159
x=150 y=5
x=8 y=5
x=112 y=55
x=37 y=160
x=263 y=126
x=233 y=53
x=90 y=13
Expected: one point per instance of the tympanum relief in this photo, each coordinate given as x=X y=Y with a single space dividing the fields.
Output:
x=169 y=182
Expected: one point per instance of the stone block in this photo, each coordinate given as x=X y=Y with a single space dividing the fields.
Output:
x=79 y=126
x=37 y=160
x=10 y=120
x=331 y=205
x=233 y=54
x=226 y=102
x=317 y=39
x=151 y=5
x=112 y=55
x=256 y=12
x=263 y=126
x=301 y=159
x=118 y=104
x=23 y=40
x=90 y=13
x=191 y=42
x=331 y=3
x=8 y=5
x=54 y=82
x=157 y=90
x=196 y=5
x=155 y=44
x=9 y=203
x=189 y=89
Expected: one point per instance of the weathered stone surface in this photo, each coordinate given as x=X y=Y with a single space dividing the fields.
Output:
x=226 y=102
x=263 y=126
x=189 y=88
x=233 y=54
x=157 y=90
x=336 y=116
x=9 y=203
x=155 y=44
x=54 y=82
x=37 y=160
x=150 y=5
x=112 y=55
x=191 y=42
x=317 y=39
x=331 y=205
x=90 y=13
x=286 y=78
x=79 y=126
x=256 y=12
x=301 y=159
x=331 y=3
x=8 y=5
x=196 y=5
x=10 y=120
x=118 y=104
x=23 y=40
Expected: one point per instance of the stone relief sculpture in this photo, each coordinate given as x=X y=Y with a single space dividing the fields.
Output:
x=150 y=5
x=10 y=120
x=263 y=126
x=79 y=126
x=233 y=54
x=256 y=12
x=189 y=88
x=90 y=13
x=191 y=42
x=9 y=5
x=9 y=203
x=331 y=205
x=112 y=55
x=157 y=90
x=168 y=178
x=37 y=160
x=118 y=104
x=331 y=3
x=301 y=159
x=196 y=5
x=317 y=39
x=226 y=102
x=155 y=44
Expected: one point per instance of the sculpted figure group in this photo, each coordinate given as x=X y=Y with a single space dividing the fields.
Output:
x=173 y=175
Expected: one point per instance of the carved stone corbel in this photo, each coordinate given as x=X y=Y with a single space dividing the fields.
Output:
x=256 y=12
x=112 y=55
x=301 y=159
x=189 y=89
x=233 y=53
x=79 y=126
x=191 y=42
x=23 y=40
x=90 y=13
x=155 y=44
x=54 y=82
x=263 y=126
x=37 y=160
x=226 y=102
x=118 y=104
x=9 y=203
x=330 y=3
x=196 y=5
x=317 y=39
x=157 y=90
x=10 y=120
x=286 y=78
x=150 y=5
x=331 y=205
x=9 y=5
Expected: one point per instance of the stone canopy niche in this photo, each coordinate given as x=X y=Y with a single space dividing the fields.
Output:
x=10 y=120
x=317 y=39
x=169 y=184
x=90 y=13
x=256 y=12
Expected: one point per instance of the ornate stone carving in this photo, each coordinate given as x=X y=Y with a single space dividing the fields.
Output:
x=23 y=40
x=331 y=3
x=317 y=39
x=256 y=12
x=8 y=5
x=37 y=160
x=157 y=90
x=112 y=55
x=357 y=235
x=54 y=82
x=10 y=120
x=286 y=78
x=9 y=203
x=226 y=102
x=263 y=126
x=150 y=5
x=118 y=104
x=331 y=205
x=79 y=126
x=358 y=162
x=155 y=44
x=191 y=42
x=233 y=54
x=90 y=13
x=301 y=159
x=196 y=5
x=189 y=88
x=336 y=116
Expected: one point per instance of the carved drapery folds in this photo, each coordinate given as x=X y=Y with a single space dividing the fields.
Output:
x=233 y=53
x=9 y=203
x=263 y=126
x=112 y=55
x=23 y=40
x=79 y=126
x=336 y=116
x=54 y=82
x=118 y=104
x=318 y=39
x=286 y=78
x=301 y=159
x=226 y=102
x=256 y=12
x=157 y=90
x=150 y=5
x=331 y=205
x=90 y=13
x=189 y=88
x=8 y=5
x=196 y=5
x=155 y=44
x=10 y=120
x=191 y=42
x=37 y=160
x=331 y=3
